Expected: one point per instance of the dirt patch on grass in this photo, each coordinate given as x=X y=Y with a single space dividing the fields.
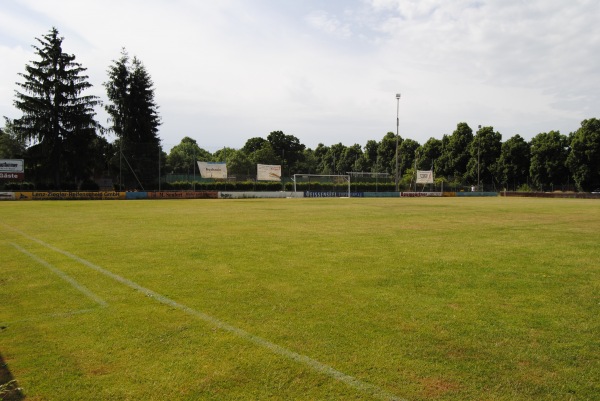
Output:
x=434 y=387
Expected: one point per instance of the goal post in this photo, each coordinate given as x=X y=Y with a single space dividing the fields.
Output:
x=329 y=177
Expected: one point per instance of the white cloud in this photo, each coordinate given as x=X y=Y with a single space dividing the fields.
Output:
x=321 y=20
x=230 y=70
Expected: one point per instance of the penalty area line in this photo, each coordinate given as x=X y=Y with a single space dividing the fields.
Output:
x=78 y=286
x=319 y=367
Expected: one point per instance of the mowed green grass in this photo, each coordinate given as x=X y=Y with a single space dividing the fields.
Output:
x=424 y=299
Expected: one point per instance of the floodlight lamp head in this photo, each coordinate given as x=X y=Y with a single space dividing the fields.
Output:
x=397 y=96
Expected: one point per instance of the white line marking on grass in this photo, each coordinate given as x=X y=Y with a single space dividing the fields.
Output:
x=83 y=289
x=317 y=366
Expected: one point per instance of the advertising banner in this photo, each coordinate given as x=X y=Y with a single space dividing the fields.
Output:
x=69 y=195
x=267 y=172
x=261 y=194
x=419 y=194
x=213 y=169
x=12 y=169
x=424 y=177
x=183 y=195
x=7 y=196
x=12 y=176
x=332 y=194
x=11 y=166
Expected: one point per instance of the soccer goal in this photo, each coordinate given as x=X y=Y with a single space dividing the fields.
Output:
x=321 y=182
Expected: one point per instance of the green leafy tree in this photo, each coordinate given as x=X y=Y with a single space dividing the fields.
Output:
x=408 y=151
x=456 y=151
x=584 y=158
x=351 y=159
x=240 y=165
x=57 y=119
x=183 y=156
x=484 y=152
x=134 y=116
x=334 y=159
x=386 y=153
x=428 y=153
x=11 y=146
x=254 y=144
x=514 y=161
x=370 y=156
x=441 y=165
x=260 y=151
x=264 y=154
x=290 y=149
x=309 y=163
x=324 y=166
x=223 y=155
x=549 y=153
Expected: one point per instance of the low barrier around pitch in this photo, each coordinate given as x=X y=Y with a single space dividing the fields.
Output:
x=137 y=195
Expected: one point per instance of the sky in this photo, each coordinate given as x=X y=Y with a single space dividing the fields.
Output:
x=225 y=71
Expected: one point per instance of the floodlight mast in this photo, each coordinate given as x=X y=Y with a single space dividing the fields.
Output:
x=478 y=152
x=397 y=136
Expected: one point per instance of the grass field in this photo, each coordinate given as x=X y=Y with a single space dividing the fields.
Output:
x=302 y=299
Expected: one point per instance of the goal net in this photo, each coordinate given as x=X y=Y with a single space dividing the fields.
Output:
x=336 y=184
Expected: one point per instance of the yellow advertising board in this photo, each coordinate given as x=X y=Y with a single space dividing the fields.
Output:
x=69 y=195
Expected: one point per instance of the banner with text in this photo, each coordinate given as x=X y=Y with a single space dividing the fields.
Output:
x=12 y=169
x=183 y=195
x=11 y=165
x=419 y=194
x=12 y=176
x=424 y=177
x=267 y=172
x=69 y=195
x=213 y=169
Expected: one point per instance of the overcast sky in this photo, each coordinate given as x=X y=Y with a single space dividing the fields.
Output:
x=328 y=71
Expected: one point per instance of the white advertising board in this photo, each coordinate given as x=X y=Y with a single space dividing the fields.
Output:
x=424 y=177
x=213 y=169
x=267 y=172
x=11 y=166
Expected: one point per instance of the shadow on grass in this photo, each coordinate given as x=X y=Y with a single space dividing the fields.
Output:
x=9 y=389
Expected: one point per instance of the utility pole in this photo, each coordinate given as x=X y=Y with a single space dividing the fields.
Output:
x=478 y=153
x=397 y=137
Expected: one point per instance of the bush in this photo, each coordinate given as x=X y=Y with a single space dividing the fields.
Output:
x=524 y=188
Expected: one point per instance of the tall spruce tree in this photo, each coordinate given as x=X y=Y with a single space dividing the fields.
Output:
x=134 y=120
x=57 y=120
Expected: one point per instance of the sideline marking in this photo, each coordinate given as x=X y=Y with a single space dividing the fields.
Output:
x=83 y=289
x=317 y=366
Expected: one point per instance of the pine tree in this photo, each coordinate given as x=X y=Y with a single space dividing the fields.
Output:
x=135 y=121
x=57 y=119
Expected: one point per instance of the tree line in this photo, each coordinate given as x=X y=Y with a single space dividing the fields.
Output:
x=64 y=147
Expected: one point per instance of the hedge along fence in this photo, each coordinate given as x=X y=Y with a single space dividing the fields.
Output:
x=341 y=187
x=271 y=186
x=258 y=186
